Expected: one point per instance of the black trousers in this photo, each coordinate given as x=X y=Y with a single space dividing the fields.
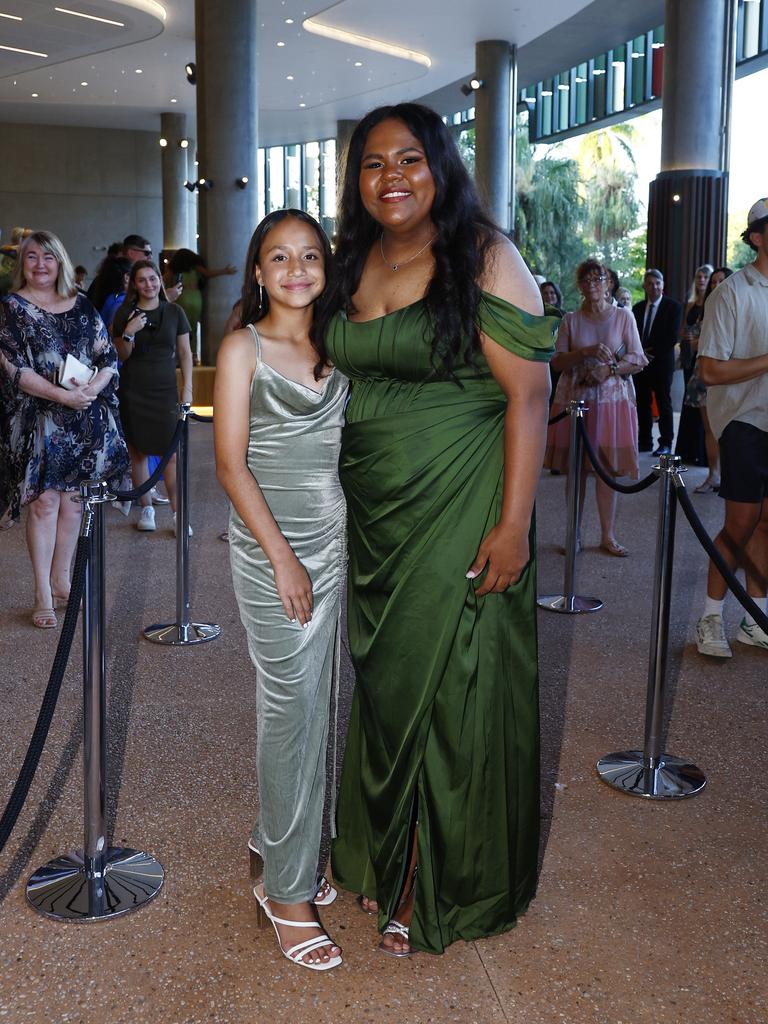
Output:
x=655 y=378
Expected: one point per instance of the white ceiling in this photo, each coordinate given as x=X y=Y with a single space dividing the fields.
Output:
x=326 y=77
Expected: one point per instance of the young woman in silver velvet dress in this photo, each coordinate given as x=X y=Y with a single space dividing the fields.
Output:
x=278 y=415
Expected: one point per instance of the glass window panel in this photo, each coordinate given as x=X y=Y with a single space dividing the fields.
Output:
x=312 y=179
x=293 y=177
x=276 y=161
x=328 y=187
x=261 y=185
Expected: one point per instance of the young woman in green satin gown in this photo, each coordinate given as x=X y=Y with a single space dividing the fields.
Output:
x=436 y=320
x=279 y=409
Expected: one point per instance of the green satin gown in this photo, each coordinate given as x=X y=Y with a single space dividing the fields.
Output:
x=444 y=722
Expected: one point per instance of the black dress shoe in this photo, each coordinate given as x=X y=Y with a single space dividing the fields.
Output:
x=663 y=449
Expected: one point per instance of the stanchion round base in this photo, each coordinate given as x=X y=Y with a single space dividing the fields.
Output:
x=175 y=635
x=669 y=778
x=64 y=890
x=572 y=605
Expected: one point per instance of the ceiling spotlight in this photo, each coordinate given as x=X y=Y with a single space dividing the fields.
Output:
x=676 y=198
x=191 y=72
x=183 y=143
x=204 y=184
x=242 y=182
x=163 y=142
x=190 y=185
x=472 y=86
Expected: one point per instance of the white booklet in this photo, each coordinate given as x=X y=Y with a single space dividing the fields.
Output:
x=72 y=367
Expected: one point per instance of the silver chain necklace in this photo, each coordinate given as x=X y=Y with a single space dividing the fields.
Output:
x=402 y=263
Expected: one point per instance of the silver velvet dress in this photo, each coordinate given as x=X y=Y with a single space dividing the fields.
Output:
x=293 y=453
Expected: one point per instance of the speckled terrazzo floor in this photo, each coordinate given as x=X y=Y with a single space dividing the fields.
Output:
x=647 y=913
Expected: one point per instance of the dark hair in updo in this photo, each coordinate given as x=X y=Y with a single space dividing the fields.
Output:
x=460 y=248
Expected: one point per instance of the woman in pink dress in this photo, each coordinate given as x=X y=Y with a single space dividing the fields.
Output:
x=598 y=348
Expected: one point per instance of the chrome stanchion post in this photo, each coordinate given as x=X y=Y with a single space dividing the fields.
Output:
x=650 y=772
x=569 y=602
x=182 y=632
x=102 y=881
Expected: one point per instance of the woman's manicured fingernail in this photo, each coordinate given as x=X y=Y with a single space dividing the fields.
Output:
x=471 y=574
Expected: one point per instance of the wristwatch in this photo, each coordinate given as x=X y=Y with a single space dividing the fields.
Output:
x=614 y=367
x=128 y=337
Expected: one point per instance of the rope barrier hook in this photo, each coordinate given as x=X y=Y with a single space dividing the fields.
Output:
x=102 y=881
x=650 y=772
x=182 y=632
x=569 y=603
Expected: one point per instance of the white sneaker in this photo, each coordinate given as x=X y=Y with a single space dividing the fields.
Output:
x=157 y=498
x=750 y=633
x=146 y=519
x=124 y=507
x=174 y=526
x=710 y=637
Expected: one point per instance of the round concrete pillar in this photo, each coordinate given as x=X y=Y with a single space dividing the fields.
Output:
x=494 y=67
x=687 y=209
x=173 y=129
x=227 y=147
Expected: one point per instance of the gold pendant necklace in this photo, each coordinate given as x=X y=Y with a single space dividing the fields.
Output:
x=402 y=263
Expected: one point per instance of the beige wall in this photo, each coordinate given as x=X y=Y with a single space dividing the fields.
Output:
x=89 y=186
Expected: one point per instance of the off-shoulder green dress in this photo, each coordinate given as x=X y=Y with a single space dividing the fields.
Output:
x=444 y=722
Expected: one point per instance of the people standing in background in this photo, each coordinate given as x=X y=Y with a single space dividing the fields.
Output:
x=696 y=399
x=552 y=296
x=614 y=283
x=150 y=335
x=658 y=324
x=52 y=437
x=690 y=432
x=598 y=349
x=733 y=363
x=109 y=287
x=624 y=298
x=188 y=269
x=80 y=275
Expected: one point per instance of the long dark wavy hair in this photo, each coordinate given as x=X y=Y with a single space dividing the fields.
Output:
x=461 y=247
x=254 y=301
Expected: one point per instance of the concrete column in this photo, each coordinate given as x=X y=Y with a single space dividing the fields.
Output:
x=494 y=106
x=173 y=129
x=344 y=129
x=227 y=137
x=687 y=211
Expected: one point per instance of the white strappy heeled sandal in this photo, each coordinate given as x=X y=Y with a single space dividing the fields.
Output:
x=296 y=953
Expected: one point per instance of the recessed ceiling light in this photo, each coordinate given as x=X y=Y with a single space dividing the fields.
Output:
x=90 y=17
x=35 y=95
x=83 y=83
x=15 y=49
x=139 y=71
x=358 y=63
x=163 y=142
x=289 y=78
x=288 y=21
x=302 y=104
x=174 y=100
x=11 y=17
x=281 y=44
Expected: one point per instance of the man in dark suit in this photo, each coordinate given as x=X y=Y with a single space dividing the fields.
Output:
x=658 y=321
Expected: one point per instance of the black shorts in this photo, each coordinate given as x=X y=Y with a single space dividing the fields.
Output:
x=743 y=463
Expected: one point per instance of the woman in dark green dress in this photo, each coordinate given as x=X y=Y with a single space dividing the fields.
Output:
x=437 y=322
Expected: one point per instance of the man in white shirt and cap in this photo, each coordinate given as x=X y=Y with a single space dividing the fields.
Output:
x=733 y=362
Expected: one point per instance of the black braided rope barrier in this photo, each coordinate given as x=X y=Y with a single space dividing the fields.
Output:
x=148 y=484
x=199 y=417
x=40 y=734
x=556 y=419
x=725 y=571
x=621 y=488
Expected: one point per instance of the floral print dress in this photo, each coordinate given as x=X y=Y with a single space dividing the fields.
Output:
x=45 y=445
